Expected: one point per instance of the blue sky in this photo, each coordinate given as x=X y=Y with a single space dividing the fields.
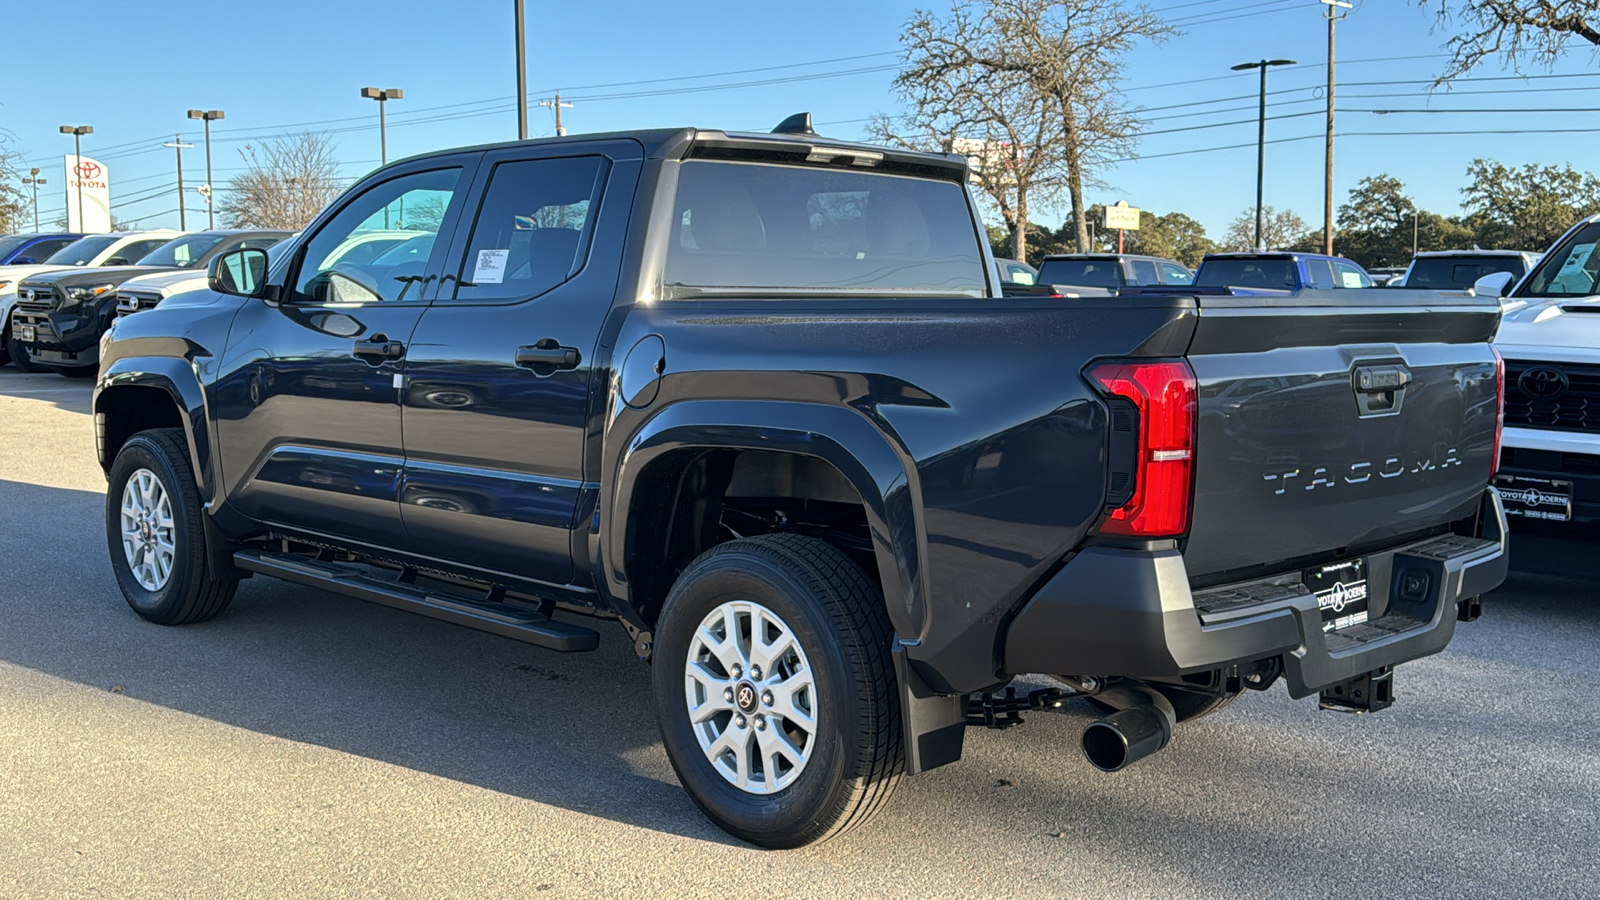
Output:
x=294 y=64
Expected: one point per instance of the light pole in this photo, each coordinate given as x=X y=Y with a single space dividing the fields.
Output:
x=208 y=116
x=34 y=179
x=77 y=132
x=522 y=75
x=1261 y=131
x=382 y=96
x=178 y=145
x=1327 y=174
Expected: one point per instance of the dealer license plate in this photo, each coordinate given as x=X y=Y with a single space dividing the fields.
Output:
x=26 y=333
x=1536 y=498
x=1341 y=592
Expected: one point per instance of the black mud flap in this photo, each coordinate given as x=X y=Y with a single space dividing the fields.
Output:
x=934 y=724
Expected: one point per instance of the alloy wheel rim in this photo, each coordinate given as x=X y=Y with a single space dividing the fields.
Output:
x=147 y=530
x=752 y=697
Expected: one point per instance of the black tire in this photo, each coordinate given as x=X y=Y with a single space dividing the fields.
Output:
x=75 y=371
x=837 y=616
x=187 y=595
x=19 y=354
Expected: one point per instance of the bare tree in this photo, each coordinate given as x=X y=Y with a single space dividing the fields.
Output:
x=993 y=116
x=15 y=212
x=288 y=182
x=1513 y=29
x=1278 y=229
x=1069 y=54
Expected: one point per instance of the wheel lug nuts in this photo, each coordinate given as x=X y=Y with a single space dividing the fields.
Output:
x=766 y=698
x=727 y=694
x=738 y=671
x=761 y=723
x=755 y=672
x=739 y=721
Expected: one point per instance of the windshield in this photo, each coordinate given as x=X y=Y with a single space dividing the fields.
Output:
x=1571 y=268
x=183 y=252
x=82 y=252
x=1081 y=272
x=1247 y=273
x=12 y=243
x=1460 y=272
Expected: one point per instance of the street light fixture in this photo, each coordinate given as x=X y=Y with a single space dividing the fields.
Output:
x=34 y=180
x=208 y=116
x=382 y=96
x=77 y=132
x=1261 y=131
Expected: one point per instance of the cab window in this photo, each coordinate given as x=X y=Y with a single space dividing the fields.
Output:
x=531 y=228
x=1144 y=272
x=376 y=249
x=1351 y=276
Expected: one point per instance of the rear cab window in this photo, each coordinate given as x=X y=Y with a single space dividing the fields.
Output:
x=1460 y=272
x=1082 y=272
x=1275 y=273
x=765 y=228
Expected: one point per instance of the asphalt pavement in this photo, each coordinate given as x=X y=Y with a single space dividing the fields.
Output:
x=308 y=745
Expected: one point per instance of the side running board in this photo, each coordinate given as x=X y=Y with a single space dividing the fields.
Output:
x=366 y=583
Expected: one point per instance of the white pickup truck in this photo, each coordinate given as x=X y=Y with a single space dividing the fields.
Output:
x=1550 y=339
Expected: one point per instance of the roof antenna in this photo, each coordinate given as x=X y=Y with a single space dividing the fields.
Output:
x=799 y=123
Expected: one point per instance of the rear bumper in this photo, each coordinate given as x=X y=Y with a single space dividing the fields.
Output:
x=1131 y=613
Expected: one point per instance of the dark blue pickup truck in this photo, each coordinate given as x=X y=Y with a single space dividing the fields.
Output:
x=759 y=400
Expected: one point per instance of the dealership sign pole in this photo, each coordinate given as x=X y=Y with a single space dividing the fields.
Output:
x=1122 y=217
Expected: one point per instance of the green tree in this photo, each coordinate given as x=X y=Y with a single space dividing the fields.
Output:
x=1527 y=207
x=1174 y=236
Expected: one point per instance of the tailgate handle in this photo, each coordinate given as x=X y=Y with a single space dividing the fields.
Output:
x=1379 y=389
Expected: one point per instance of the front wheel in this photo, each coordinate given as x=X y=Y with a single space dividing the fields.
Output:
x=155 y=534
x=19 y=354
x=775 y=691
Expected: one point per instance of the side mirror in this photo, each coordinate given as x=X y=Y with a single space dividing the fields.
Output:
x=1497 y=284
x=116 y=261
x=242 y=273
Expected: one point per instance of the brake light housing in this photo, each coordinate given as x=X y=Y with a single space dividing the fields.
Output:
x=1165 y=398
x=1499 y=409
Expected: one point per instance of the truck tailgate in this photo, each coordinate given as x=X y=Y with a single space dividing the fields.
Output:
x=1336 y=422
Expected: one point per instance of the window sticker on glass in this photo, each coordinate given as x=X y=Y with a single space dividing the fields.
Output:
x=1350 y=279
x=491 y=267
x=1574 y=277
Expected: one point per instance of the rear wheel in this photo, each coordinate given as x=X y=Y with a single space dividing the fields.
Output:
x=775 y=692
x=155 y=534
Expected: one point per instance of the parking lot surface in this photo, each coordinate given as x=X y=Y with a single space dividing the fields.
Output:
x=305 y=744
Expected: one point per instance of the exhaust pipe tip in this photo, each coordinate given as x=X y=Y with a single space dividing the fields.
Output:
x=1121 y=739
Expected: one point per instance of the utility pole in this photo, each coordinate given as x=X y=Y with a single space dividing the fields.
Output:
x=34 y=180
x=208 y=116
x=522 y=75
x=556 y=105
x=1327 y=176
x=1261 y=132
x=178 y=145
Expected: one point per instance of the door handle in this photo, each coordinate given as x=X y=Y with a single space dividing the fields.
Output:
x=547 y=356
x=378 y=349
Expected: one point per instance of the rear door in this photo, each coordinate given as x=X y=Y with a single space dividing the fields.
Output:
x=1346 y=422
x=503 y=368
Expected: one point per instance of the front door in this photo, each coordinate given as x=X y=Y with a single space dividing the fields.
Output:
x=309 y=397
x=501 y=368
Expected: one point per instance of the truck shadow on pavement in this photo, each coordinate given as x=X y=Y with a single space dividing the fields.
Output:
x=576 y=731
x=1266 y=781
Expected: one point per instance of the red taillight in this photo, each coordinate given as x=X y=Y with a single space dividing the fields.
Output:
x=1499 y=408
x=1163 y=393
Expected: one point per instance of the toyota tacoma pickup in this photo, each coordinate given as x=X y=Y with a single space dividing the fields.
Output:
x=1550 y=338
x=759 y=399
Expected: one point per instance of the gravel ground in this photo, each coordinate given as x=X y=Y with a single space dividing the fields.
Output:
x=309 y=745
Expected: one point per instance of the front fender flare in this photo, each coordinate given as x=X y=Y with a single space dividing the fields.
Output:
x=178 y=378
x=880 y=471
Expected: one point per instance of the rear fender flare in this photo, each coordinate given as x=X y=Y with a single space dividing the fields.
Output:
x=880 y=472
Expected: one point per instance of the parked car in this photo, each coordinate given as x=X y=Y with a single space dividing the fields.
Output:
x=1280 y=271
x=143 y=292
x=1387 y=276
x=1457 y=270
x=700 y=383
x=28 y=249
x=116 y=248
x=1112 y=270
x=60 y=315
x=1550 y=338
x=1014 y=271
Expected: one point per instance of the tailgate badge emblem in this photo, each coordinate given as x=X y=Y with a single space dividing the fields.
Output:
x=1543 y=382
